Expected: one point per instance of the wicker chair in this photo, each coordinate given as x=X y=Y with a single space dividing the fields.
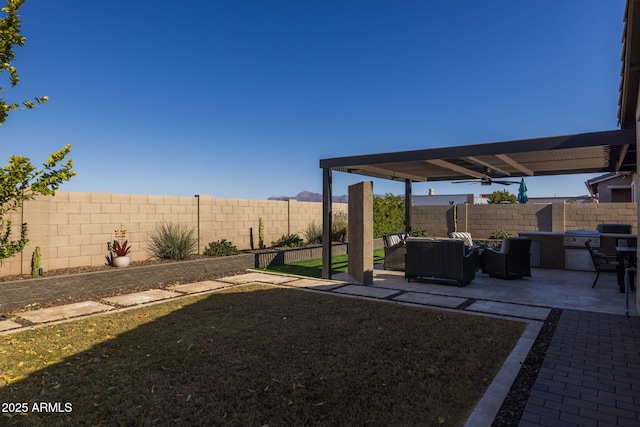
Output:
x=394 y=251
x=441 y=260
x=511 y=262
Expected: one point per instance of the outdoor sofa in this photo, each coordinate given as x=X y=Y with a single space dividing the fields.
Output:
x=440 y=259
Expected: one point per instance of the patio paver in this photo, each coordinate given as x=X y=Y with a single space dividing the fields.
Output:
x=64 y=312
x=6 y=325
x=366 y=291
x=507 y=309
x=322 y=285
x=141 y=297
x=430 y=299
x=193 y=288
x=242 y=279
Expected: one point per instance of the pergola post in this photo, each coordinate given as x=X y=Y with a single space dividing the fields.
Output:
x=407 y=205
x=327 y=215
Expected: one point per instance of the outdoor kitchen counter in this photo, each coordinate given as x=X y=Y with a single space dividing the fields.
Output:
x=547 y=247
x=547 y=250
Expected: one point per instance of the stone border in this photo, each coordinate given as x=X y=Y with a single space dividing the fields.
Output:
x=271 y=257
x=17 y=294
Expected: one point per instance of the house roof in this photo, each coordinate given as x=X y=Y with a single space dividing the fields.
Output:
x=608 y=151
x=593 y=183
x=630 y=72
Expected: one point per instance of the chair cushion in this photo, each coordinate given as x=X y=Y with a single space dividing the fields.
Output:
x=463 y=235
x=395 y=239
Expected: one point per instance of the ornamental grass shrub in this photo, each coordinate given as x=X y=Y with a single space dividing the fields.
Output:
x=172 y=241
x=313 y=233
x=221 y=248
x=288 y=241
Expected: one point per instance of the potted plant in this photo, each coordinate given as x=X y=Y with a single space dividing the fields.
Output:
x=119 y=250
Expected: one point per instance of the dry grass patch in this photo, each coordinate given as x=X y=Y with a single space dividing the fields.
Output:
x=257 y=355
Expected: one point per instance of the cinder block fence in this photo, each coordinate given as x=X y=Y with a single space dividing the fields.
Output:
x=72 y=229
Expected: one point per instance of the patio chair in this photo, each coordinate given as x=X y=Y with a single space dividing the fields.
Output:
x=511 y=261
x=469 y=245
x=395 y=250
x=602 y=262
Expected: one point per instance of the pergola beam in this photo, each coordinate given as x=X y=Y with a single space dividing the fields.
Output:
x=394 y=174
x=460 y=169
x=487 y=165
x=623 y=153
x=508 y=160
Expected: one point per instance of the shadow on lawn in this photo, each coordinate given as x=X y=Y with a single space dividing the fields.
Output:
x=257 y=355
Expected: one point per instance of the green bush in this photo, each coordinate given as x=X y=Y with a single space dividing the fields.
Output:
x=313 y=233
x=221 y=248
x=288 y=241
x=388 y=215
x=418 y=232
x=500 y=234
x=339 y=227
x=171 y=241
x=502 y=197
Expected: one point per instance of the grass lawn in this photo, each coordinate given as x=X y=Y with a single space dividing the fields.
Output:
x=256 y=355
x=313 y=268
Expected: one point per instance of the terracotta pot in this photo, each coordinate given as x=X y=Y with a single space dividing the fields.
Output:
x=121 y=261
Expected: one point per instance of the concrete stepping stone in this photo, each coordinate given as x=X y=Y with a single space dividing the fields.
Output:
x=64 y=311
x=193 y=288
x=315 y=284
x=366 y=291
x=430 y=299
x=6 y=325
x=257 y=277
x=506 y=309
x=141 y=297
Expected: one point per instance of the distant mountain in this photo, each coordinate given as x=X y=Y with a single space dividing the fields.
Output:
x=307 y=196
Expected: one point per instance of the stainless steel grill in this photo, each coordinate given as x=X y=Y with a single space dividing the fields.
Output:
x=577 y=238
x=576 y=255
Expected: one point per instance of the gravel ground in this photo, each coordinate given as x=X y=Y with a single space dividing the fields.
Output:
x=516 y=400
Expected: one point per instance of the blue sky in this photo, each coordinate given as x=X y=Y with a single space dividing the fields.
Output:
x=241 y=99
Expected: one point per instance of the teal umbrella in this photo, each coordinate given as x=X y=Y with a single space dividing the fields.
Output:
x=522 y=192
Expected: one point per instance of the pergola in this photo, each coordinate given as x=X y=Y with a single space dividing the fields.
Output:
x=597 y=152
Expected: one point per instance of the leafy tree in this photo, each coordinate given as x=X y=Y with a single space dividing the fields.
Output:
x=502 y=197
x=20 y=180
x=9 y=37
x=388 y=215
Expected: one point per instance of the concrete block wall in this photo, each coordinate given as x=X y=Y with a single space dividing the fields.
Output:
x=72 y=229
x=482 y=220
x=433 y=219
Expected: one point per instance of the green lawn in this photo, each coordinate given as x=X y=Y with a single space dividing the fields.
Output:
x=251 y=356
x=313 y=268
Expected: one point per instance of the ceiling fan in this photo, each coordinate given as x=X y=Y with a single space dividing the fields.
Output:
x=486 y=180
